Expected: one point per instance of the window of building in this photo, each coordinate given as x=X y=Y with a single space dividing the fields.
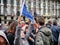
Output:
x=29 y=6
x=5 y=17
x=5 y=22
x=12 y=6
x=18 y=2
x=12 y=2
x=0 y=7
x=35 y=15
x=5 y=3
x=34 y=3
x=12 y=17
x=44 y=5
x=0 y=10
x=0 y=20
x=18 y=13
x=0 y=1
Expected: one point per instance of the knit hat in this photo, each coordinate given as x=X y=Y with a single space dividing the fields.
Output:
x=3 y=34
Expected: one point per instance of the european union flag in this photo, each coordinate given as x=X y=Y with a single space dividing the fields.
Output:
x=26 y=13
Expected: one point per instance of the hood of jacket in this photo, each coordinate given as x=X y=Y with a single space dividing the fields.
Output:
x=46 y=31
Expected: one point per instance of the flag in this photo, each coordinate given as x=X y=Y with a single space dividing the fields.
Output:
x=26 y=13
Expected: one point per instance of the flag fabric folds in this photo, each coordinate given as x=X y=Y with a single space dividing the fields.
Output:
x=26 y=13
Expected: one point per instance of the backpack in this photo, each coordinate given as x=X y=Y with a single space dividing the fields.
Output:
x=44 y=37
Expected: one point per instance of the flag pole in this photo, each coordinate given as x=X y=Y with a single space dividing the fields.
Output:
x=19 y=18
x=22 y=7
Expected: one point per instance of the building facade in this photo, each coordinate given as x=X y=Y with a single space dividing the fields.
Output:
x=10 y=9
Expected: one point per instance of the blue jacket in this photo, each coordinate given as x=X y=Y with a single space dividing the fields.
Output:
x=55 y=32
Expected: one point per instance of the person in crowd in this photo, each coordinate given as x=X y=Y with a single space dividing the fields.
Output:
x=3 y=39
x=21 y=35
x=23 y=40
x=59 y=34
x=32 y=35
x=44 y=35
x=29 y=33
x=49 y=24
x=31 y=38
x=59 y=39
x=10 y=33
x=55 y=32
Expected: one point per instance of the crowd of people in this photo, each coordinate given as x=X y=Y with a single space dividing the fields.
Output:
x=24 y=32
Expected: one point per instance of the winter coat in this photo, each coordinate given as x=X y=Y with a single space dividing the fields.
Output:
x=55 y=32
x=18 y=39
x=44 y=37
x=59 y=40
